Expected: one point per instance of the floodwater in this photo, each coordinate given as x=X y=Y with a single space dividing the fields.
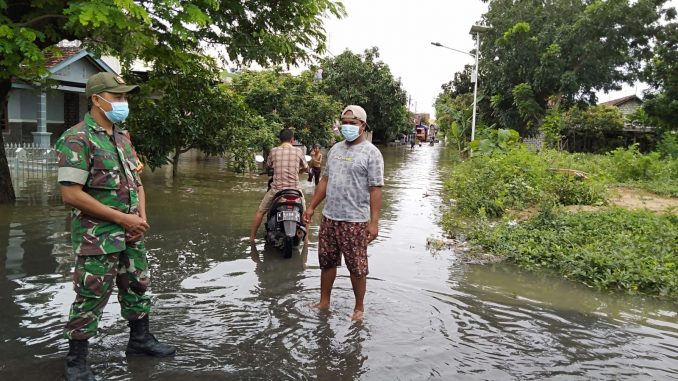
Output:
x=242 y=313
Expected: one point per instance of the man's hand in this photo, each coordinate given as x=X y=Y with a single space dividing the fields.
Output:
x=129 y=238
x=372 y=231
x=133 y=224
x=308 y=214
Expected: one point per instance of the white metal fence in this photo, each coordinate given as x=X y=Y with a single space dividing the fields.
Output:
x=28 y=161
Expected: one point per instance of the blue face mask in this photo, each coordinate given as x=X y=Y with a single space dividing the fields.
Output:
x=350 y=132
x=118 y=113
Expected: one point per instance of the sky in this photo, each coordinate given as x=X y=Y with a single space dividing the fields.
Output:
x=404 y=30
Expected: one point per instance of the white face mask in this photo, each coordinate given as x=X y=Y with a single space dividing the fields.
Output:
x=119 y=111
x=350 y=132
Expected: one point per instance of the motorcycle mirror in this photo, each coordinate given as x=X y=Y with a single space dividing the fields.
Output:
x=308 y=158
x=259 y=159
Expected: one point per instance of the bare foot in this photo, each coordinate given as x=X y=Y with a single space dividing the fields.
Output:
x=357 y=315
x=321 y=306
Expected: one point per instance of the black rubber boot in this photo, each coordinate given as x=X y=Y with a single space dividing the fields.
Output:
x=77 y=367
x=143 y=343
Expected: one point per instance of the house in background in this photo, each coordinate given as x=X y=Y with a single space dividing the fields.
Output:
x=40 y=115
x=627 y=105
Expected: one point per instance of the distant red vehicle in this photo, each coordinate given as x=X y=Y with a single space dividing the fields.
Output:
x=422 y=132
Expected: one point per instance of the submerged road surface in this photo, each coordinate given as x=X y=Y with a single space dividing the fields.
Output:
x=242 y=313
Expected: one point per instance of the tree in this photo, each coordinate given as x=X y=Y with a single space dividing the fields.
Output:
x=454 y=117
x=461 y=84
x=661 y=101
x=290 y=101
x=586 y=127
x=562 y=51
x=193 y=113
x=162 y=32
x=363 y=80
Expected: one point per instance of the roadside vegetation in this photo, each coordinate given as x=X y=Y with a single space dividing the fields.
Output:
x=514 y=203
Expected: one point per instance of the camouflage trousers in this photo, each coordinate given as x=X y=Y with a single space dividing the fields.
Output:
x=93 y=283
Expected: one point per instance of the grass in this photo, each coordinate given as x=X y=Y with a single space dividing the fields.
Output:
x=610 y=248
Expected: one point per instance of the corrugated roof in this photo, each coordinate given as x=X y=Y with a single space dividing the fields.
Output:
x=621 y=101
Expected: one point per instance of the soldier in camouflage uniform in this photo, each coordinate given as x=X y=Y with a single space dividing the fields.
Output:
x=98 y=174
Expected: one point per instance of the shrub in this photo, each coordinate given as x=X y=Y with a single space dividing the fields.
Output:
x=647 y=171
x=636 y=251
x=517 y=179
x=628 y=164
x=668 y=145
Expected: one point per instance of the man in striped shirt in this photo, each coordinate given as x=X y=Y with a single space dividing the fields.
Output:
x=286 y=161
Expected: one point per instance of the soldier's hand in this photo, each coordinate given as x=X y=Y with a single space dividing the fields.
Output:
x=133 y=238
x=134 y=224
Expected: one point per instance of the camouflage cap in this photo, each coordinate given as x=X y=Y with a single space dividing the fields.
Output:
x=108 y=82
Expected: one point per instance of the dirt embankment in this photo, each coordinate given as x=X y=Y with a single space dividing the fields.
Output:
x=633 y=198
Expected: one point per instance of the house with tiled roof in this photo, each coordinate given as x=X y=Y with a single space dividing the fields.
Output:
x=627 y=105
x=34 y=114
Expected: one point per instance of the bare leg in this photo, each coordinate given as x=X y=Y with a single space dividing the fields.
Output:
x=255 y=224
x=359 y=284
x=327 y=277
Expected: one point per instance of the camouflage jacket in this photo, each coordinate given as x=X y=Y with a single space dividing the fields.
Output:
x=106 y=166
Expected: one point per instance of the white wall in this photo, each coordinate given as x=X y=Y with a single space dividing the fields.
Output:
x=23 y=106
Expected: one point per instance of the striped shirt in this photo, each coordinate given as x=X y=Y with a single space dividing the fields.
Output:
x=286 y=161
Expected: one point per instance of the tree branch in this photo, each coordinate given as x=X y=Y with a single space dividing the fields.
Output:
x=40 y=18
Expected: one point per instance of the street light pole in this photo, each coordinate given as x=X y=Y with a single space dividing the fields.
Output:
x=477 y=29
x=474 y=77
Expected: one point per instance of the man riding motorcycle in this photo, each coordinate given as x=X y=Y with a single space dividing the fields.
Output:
x=286 y=161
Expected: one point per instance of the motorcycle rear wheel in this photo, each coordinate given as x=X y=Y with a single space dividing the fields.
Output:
x=288 y=246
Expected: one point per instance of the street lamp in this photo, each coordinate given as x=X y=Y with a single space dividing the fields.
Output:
x=477 y=30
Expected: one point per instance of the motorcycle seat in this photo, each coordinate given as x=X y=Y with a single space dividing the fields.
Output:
x=294 y=192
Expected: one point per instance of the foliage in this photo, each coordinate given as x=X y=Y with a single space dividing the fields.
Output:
x=640 y=117
x=193 y=113
x=611 y=248
x=490 y=185
x=623 y=166
x=668 y=145
x=291 y=101
x=628 y=164
x=552 y=128
x=596 y=128
x=635 y=251
x=461 y=84
x=454 y=117
x=363 y=80
x=528 y=108
x=495 y=141
x=563 y=51
x=161 y=31
x=648 y=171
x=164 y=33
x=661 y=101
x=594 y=118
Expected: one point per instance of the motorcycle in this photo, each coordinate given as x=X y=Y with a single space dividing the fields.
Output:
x=284 y=228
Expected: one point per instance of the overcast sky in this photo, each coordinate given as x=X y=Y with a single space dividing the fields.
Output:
x=404 y=30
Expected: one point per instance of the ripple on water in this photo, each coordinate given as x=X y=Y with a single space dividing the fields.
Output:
x=241 y=314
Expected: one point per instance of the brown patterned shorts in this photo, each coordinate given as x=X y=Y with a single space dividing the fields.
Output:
x=337 y=238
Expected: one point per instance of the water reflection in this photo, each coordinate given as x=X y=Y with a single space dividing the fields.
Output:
x=238 y=311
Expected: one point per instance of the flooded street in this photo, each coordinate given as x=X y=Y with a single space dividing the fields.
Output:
x=238 y=312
